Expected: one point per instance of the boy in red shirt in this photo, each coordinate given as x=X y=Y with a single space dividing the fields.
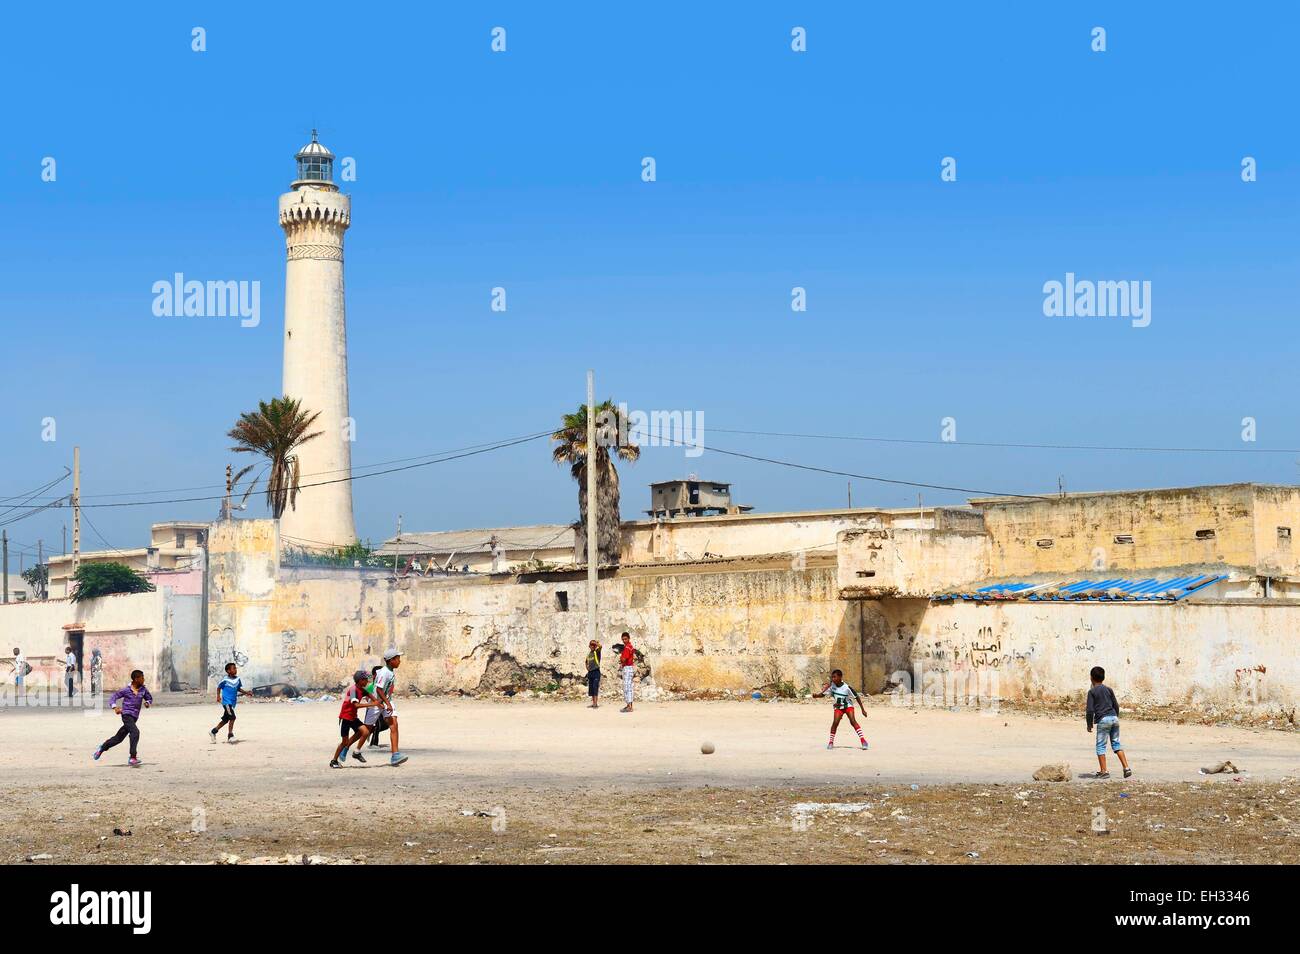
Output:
x=351 y=728
x=627 y=665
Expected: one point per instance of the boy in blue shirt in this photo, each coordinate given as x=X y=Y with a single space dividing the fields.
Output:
x=229 y=690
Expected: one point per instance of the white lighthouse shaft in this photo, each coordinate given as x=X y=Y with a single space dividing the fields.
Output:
x=314 y=217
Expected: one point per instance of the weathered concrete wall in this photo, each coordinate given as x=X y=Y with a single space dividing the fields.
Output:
x=754 y=534
x=244 y=560
x=696 y=630
x=1163 y=524
x=905 y=562
x=131 y=631
x=1230 y=654
x=736 y=625
x=1277 y=522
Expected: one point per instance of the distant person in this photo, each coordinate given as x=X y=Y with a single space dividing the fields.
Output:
x=384 y=680
x=69 y=669
x=96 y=672
x=352 y=729
x=1103 y=712
x=229 y=690
x=627 y=666
x=126 y=702
x=593 y=673
x=21 y=669
x=842 y=696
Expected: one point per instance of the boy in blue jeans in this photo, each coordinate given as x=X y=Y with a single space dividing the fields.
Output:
x=1103 y=712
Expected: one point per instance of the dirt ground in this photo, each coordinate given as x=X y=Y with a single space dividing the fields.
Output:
x=545 y=781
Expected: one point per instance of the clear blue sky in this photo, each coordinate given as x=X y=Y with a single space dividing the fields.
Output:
x=775 y=169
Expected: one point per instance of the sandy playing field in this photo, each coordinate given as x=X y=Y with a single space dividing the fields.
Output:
x=550 y=781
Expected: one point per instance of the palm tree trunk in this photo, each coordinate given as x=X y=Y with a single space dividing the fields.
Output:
x=609 y=536
x=609 y=533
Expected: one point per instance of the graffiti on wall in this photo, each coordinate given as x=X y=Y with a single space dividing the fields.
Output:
x=221 y=650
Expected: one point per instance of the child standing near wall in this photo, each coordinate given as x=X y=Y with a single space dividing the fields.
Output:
x=593 y=673
x=627 y=668
x=126 y=702
x=1103 y=711
x=228 y=692
x=843 y=697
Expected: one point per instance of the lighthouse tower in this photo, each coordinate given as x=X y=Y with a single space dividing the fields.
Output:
x=314 y=216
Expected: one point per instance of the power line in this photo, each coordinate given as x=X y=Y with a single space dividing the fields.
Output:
x=340 y=480
x=41 y=489
x=31 y=495
x=102 y=538
x=869 y=477
x=323 y=473
x=469 y=451
x=1022 y=446
x=32 y=510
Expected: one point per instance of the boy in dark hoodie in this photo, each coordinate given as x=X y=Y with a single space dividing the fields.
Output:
x=1103 y=712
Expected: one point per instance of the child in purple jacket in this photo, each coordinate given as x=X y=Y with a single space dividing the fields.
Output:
x=126 y=702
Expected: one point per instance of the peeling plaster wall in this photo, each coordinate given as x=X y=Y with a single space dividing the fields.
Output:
x=695 y=630
x=243 y=556
x=1236 y=655
x=696 y=627
x=1162 y=523
x=131 y=631
x=689 y=538
x=905 y=562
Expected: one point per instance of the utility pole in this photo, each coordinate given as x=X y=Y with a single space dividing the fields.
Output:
x=225 y=501
x=850 y=495
x=397 y=547
x=65 y=539
x=204 y=679
x=41 y=569
x=592 y=555
x=76 y=509
x=4 y=536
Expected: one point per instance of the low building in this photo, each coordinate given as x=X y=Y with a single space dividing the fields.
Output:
x=18 y=589
x=174 y=552
x=487 y=550
x=691 y=497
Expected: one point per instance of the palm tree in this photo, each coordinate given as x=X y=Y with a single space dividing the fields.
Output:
x=571 y=448
x=275 y=430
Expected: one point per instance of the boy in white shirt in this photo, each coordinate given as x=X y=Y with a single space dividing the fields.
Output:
x=384 y=691
x=843 y=696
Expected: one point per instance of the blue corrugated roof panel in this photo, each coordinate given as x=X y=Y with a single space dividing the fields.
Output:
x=1117 y=589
